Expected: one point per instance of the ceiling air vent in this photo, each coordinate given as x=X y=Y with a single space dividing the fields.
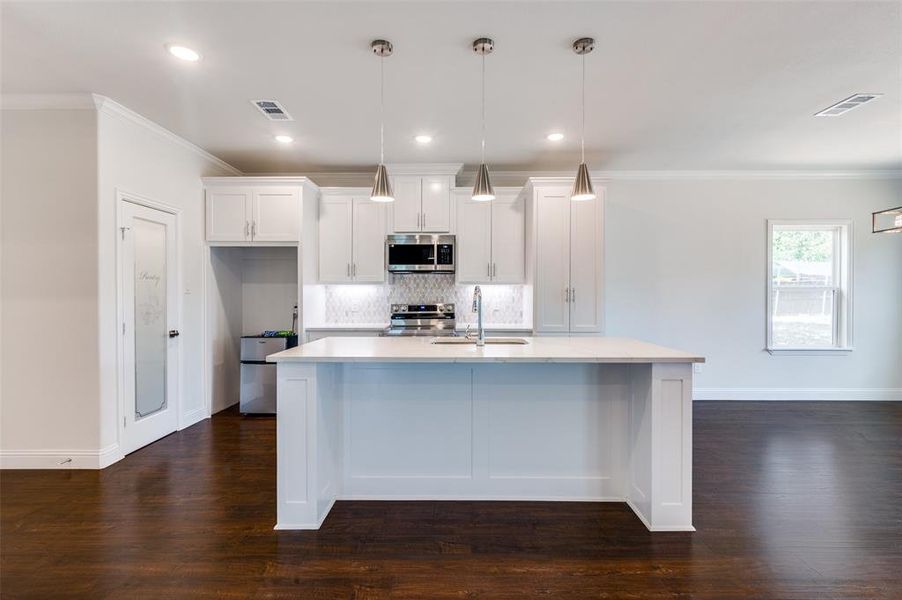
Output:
x=844 y=106
x=272 y=110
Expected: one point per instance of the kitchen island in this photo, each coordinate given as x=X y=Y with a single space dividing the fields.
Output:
x=556 y=418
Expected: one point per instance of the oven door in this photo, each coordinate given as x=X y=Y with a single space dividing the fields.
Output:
x=409 y=254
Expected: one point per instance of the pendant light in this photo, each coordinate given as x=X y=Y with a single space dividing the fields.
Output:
x=582 y=186
x=482 y=190
x=382 y=191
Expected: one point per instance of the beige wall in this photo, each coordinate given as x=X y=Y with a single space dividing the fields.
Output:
x=61 y=173
x=50 y=379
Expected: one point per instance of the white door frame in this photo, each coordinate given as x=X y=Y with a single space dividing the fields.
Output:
x=123 y=196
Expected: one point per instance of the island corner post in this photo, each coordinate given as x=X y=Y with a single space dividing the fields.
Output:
x=483 y=427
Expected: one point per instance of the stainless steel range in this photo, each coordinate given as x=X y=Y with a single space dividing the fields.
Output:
x=421 y=319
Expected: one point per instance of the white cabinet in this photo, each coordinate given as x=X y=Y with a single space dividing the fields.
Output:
x=255 y=209
x=508 y=227
x=335 y=235
x=422 y=204
x=490 y=238
x=228 y=214
x=368 y=241
x=436 y=192
x=407 y=207
x=351 y=239
x=569 y=260
x=275 y=216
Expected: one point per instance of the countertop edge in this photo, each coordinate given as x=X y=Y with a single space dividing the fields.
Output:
x=488 y=359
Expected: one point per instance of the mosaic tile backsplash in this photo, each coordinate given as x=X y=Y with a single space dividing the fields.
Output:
x=349 y=304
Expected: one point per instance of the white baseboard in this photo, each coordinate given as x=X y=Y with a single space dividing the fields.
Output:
x=195 y=416
x=60 y=459
x=827 y=394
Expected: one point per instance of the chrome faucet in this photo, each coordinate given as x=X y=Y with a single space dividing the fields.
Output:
x=477 y=308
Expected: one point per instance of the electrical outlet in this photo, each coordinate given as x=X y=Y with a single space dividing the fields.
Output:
x=697 y=367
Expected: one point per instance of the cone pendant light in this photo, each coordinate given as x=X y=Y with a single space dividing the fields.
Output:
x=382 y=191
x=582 y=186
x=482 y=190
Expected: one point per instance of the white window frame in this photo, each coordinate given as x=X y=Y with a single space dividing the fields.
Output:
x=842 y=278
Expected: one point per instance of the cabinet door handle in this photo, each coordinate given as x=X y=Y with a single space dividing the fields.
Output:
x=424 y=220
x=494 y=270
x=488 y=270
x=566 y=294
x=247 y=229
x=348 y=269
x=354 y=269
x=572 y=294
x=253 y=229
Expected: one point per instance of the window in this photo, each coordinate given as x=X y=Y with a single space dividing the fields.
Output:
x=808 y=295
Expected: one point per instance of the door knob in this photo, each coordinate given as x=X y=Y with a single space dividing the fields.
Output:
x=173 y=333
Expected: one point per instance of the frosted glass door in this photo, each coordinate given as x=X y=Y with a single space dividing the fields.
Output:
x=148 y=364
x=151 y=334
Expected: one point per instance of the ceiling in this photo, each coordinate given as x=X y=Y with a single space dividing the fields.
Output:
x=670 y=86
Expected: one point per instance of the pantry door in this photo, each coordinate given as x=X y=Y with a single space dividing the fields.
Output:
x=149 y=331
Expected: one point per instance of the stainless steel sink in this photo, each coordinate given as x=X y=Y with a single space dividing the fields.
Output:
x=488 y=340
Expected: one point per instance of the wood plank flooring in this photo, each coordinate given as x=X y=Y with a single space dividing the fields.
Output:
x=792 y=500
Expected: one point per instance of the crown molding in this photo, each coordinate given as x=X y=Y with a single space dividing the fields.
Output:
x=747 y=174
x=99 y=103
x=424 y=168
x=111 y=107
x=362 y=179
x=258 y=180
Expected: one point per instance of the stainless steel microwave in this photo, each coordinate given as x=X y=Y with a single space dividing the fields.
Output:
x=420 y=253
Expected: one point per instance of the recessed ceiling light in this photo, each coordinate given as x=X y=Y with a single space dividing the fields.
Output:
x=284 y=139
x=183 y=53
x=555 y=137
x=423 y=139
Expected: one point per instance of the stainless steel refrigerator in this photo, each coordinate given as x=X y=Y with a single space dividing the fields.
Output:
x=258 y=377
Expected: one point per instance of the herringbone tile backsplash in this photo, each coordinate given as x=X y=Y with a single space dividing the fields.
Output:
x=349 y=304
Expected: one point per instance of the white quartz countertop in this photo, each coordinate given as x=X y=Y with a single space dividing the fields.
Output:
x=539 y=349
x=381 y=326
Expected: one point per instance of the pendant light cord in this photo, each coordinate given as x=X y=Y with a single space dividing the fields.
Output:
x=381 y=110
x=483 y=108
x=582 y=142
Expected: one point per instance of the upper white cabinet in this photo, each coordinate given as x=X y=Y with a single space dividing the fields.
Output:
x=568 y=245
x=275 y=215
x=351 y=235
x=422 y=204
x=242 y=210
x=229 y=214
x=490 y=237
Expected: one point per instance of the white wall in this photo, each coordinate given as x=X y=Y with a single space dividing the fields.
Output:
x=137 y=157
x=686 y=266
x=269 y=288
x=50 y=380
x=249 y=290
x=224 y=321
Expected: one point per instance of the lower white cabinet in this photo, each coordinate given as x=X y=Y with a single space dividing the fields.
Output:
x=490 y=238
x=569 y=260
x=351 y=239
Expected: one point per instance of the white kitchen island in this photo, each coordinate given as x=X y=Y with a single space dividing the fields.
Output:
x=559 y=418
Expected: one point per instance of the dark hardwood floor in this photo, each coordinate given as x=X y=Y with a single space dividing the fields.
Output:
x=792 y=500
